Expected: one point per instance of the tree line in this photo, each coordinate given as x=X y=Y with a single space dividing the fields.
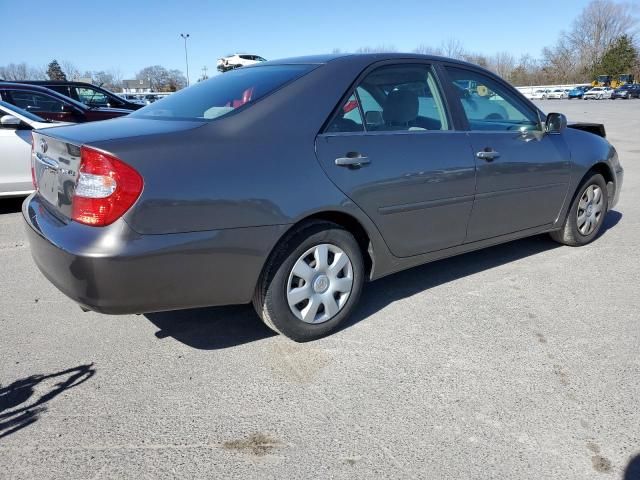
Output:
x=601 y=40
x=160 y=78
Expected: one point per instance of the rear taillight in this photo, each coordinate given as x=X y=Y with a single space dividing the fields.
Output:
x=33 y=163
x=106 y=188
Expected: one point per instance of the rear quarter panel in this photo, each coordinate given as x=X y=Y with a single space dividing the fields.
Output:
x=252 y=168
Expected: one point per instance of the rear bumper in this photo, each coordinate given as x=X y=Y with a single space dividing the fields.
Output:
x=116 y=270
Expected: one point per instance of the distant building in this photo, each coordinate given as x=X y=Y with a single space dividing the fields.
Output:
x=136 y=86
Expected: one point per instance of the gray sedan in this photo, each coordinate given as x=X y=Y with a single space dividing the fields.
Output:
x=292 y=182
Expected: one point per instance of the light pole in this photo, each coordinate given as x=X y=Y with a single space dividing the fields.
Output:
x=186 y=58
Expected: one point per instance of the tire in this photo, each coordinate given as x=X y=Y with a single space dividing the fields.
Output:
x=573 y=231
x=301 y=249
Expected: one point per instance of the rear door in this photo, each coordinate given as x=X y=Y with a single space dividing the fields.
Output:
x=392 y=148
x=522 y=172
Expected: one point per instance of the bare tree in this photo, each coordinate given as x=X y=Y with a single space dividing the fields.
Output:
x=22 y=71
x=425 y=49
x=70 y=70
x=453 y=48
x=503 y=64
x=599 y=25
x=15 y=72
x=379 y=49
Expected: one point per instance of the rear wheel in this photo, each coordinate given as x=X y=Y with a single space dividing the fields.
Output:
x=586 y=214
x=311 y=282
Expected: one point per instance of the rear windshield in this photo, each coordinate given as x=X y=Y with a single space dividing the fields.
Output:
x=223 y=93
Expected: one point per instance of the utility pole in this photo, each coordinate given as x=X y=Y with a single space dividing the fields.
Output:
x=186 y=58
x=204 y=73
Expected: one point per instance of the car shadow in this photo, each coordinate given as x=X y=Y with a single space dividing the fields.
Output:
x=11 y=205
x=632 y=472
x=17 y=411
x=211 y=328
x=223 y=327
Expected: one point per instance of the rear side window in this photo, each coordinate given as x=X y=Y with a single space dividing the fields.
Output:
x=396 y=98
x=223 y=93
x=36 y=102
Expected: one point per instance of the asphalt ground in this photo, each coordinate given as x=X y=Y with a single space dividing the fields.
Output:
x=521 y=361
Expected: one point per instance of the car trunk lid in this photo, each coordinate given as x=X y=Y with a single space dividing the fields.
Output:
x=56 y=154
x=55 y=164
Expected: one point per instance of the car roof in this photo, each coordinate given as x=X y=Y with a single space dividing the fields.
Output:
x=364 y=58
x=56 y=82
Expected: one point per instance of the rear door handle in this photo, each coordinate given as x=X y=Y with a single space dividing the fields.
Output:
x=488 y=155
x=353 y=160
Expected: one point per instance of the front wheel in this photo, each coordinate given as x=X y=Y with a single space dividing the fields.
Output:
x=311 y=282
x=586 y=214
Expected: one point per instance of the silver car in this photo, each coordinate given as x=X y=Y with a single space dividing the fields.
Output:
x=16 y=125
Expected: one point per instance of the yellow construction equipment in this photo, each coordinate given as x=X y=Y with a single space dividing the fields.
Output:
x=602 y=81
x=608 y=80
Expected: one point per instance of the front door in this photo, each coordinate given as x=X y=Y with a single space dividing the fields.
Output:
x=522 y=172
x=392 y=150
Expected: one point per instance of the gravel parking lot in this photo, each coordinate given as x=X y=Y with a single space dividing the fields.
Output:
x=521 y=361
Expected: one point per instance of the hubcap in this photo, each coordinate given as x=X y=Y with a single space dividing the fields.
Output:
x=590 y=209
x=320 y=283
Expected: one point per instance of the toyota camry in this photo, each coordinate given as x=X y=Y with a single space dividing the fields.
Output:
x=291 y=183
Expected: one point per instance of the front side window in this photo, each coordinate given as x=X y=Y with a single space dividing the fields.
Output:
x=489 y=105
x=223 y=94
x=36 y=102
x=396 y=98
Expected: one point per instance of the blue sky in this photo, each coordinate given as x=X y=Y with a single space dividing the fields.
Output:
x=131 y=35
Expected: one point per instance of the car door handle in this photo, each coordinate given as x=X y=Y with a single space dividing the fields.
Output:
x=488 y=155
x=353 y=160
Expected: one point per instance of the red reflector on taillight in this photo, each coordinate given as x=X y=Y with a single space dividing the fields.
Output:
x=106 y=188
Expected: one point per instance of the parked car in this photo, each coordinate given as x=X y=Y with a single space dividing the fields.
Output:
x=52 y=105
x=626 y=92
x=237 y=60
x=578 y=92
x=540 y=94
x=265 y=184
x=558 y=94
x=15 y=149
x=133 y=98
x=598 y=93
x=87 y=93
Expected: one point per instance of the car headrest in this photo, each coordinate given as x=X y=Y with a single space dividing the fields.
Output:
x=400 y=107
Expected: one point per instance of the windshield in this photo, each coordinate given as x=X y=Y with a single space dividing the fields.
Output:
x=12 y=108
x=223 y=93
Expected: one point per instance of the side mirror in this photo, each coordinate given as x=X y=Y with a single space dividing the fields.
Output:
x=9 y=121
x=555 y=123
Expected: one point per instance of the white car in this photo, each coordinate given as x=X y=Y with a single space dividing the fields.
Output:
x=558 y=93
x=225 y=64
x=540 y=94
x=598 y=93
x=15 y=149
